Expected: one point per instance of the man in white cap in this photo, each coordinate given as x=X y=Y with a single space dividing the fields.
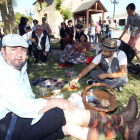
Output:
x=22 y=117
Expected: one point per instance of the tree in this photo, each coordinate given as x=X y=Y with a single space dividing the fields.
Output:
x=18 y=16
x=5 y=18
x=6 y=7
x=12 y=17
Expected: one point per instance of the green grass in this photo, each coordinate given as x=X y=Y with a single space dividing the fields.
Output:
x=52 y=70
x=55 y=46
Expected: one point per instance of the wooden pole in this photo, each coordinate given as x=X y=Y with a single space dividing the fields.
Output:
x=87 y=18
x=103 y=16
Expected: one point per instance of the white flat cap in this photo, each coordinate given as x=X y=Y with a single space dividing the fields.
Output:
x=14 y=40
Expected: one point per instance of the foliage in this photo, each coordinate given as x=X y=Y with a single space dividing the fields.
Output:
x=66 y=13
x=117 y=27
x=57 y=4
x=39 y=5
x=18 y=16
x=44 y=5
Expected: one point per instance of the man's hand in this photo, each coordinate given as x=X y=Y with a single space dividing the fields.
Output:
x=74 y=81
x=45 y=53
x=102 y=76
x=33 y=40
x=66 y=58
x=133 y=36
x=60 y=103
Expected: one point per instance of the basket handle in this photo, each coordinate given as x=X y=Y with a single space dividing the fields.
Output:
x=101 y=85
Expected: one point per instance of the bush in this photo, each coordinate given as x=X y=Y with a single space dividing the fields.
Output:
x=57 y=4
x=66 y=13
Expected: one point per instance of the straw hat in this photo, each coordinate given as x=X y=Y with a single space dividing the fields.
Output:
x=102 y=36
x=109 y=44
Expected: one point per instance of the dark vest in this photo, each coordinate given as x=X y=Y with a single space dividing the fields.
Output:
x=42 y=43
x=114 y=67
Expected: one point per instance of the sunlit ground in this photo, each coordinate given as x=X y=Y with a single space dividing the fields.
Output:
x=52 y=70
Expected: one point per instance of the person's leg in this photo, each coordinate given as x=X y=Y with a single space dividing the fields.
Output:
x=90 y=38
x=109 y=33
x=96 y=38
x=93 y=40
x=43 y=58
x=112 y=34
x=132 y=43
x=36 y=53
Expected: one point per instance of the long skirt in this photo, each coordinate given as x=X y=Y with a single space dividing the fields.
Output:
x=75 y=58
x=63 y=42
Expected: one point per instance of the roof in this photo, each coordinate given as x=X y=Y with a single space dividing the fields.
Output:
x=87 y=5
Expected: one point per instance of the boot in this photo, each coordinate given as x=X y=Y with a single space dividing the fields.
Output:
x=130 y=112
x=134 y=129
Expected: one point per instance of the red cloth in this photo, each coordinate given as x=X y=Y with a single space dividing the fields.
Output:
x=63 y=65
x=89 y=60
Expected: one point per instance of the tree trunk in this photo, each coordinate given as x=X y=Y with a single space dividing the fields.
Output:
x=12 y=17
x=5 y=18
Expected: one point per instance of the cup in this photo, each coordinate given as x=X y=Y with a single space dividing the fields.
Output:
x=73 y=74
x=43 y=91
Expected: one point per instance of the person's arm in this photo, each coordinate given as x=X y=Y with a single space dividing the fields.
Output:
x=49 y=29
x=87 y=48
x=71 y=52
x=83 y=73
x=47 y=46
x=27 y=36
x=125 y=29
x=121 y=73
x=60 y=103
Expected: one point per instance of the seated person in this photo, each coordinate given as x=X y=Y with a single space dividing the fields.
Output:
x=22 y=117
x=113 y=64
x=127 y=50
x=75 y=54
x=40 y=43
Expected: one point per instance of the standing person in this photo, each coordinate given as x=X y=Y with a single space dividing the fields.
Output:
x=70 y=32
x=24 y=117
x=79 y=30
x=97 y=31
x=46 y=26
x=111 y=28
x=35 y=22
x=91 y=31
x=40 y=43
x=133 y=21
x=23 y=26
x=63 y=35
x=105 y=27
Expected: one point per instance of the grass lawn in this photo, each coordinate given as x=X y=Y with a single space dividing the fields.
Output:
x=52 y=70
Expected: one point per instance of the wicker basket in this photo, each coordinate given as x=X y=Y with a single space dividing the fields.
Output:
x=100 y=94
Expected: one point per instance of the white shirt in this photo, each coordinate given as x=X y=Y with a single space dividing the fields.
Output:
x=16 y=94
x=92 y=29
x=121 y=58
x=47 y=44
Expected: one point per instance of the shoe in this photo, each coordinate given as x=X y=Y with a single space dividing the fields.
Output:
x=90 y=82
x=134 y=129
x=36 y=61
x=131 y=110
x=118 y=89
x=137 y=62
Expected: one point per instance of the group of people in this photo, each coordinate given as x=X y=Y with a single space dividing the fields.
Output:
x=94 y=32
x=22 y=117
x=38 y=38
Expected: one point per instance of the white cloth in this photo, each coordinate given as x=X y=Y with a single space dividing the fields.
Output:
x=47 y=44
x=112 y=25
x=16 y=94
x=121 y=58
x=92 y=29
x=98 y=48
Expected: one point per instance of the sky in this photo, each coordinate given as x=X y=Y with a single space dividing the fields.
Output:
x=22 y=5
